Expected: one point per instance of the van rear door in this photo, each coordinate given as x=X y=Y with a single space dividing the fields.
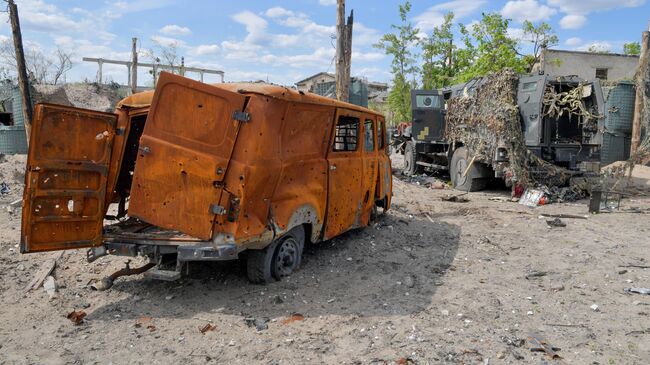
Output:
x=65 y=182
x=184 y=153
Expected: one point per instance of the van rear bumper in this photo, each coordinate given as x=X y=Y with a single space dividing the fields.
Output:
x=195 y=251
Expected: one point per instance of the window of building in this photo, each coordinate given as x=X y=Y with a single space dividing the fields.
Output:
x=368 y=136
x=347 y=134
x=601 y=73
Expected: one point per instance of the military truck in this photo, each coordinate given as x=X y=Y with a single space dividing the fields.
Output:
x=560 y=140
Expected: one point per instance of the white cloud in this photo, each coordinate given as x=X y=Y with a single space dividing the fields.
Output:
x=204 y=49
x=435 y=15
x=321 y=57
x=177 y=30
x=573 y=21
x=530 y=10
x=327 y=2
x=582 y=7
x=167 y=41
x=573 y=42
x=278 y=11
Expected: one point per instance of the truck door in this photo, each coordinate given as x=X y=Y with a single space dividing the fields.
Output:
x=185 y=149
x=370 y=167
x=428 y=120
x=344 y=195
x=65 y=182
x=529 y=98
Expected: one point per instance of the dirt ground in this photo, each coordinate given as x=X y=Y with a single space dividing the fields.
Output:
x=432 y=282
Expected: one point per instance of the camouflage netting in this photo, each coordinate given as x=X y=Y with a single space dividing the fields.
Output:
x=489 y=119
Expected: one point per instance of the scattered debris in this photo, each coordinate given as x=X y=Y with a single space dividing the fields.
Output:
x=207 y=328
x=4 y=188
x=455 y=198
x=563 y=216
x=293 y=318
x=642 y=291
x=107 y=282
x=636 y=266
x=595 y=308
x=77 y=317
x=50 y=286
x=145 y=321
x=259 y=323
x=46 y=270
x=540 y=344
x=536 y=274
x=533 y=198
x=557 y=222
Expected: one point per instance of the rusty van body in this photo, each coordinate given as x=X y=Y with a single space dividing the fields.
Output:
x=204 y=172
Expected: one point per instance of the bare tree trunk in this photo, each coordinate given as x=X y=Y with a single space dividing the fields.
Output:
x=134 y=65
x=23 y=80
x=341 y=87
x=345 y=94
x=641 y=79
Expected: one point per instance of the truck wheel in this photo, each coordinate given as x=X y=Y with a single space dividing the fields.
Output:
x=476 y=177
x=279 y=259
x=410 y=160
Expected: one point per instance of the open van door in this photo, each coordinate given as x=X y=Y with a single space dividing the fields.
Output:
x=65 y=182
x=184 y=153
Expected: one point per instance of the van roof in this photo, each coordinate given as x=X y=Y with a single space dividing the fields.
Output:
x=144 y=98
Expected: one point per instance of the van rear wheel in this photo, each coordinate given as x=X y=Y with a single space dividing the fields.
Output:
x=279 y=259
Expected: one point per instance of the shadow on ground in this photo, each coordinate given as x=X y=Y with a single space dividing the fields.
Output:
x=392 y=268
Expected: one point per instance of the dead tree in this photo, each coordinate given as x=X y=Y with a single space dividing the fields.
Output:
x=343 y=52
x=23 y=81
x=62 y=66
x=642 y=78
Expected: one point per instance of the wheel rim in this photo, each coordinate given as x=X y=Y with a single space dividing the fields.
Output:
x=287 y=257
x=461 y=166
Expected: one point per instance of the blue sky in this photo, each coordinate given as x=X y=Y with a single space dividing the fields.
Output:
x=285 y=41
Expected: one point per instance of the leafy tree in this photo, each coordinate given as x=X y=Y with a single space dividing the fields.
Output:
x=633 y=48
x=494 y=48
x=541 y=36
x=438 y=51
x=399 y=45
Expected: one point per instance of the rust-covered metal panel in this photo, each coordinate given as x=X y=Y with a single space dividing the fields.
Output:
x=184 y=154
x=65 y=182
x=345 y=174
x=370 y=167
x=385 y=176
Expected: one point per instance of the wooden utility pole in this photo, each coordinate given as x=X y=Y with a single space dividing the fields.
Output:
x=642 y=78
x=134 y=65
x=343 y=52
x=23 y=80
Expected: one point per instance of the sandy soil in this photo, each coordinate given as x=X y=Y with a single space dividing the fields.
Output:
x=432 y=282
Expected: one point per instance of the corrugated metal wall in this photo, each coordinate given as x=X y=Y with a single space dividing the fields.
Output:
x=619 y=112
x=13 y=139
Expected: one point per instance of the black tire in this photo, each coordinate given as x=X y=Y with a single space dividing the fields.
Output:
x=410 y=160
x=279 y=259
x=476 y=178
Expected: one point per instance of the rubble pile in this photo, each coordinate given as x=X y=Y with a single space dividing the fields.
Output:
x=489 y=119
x=91 y=96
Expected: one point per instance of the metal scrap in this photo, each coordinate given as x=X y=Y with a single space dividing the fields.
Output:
x=77 y=317
x=642 y=291
x=540 y=344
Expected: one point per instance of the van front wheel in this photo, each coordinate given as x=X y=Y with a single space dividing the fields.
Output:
x=279 y=259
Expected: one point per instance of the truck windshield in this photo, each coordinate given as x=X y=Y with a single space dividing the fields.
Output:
x=427 y=101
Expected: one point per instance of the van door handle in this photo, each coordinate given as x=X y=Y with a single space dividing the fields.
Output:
x=145 y=149
x=332 y=167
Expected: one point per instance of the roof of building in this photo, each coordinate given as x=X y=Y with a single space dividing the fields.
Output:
x=591 y=53
x=315 y=76
x=145 y=98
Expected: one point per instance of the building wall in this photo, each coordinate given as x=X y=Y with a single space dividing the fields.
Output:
x=584 y=64
x=308 y=85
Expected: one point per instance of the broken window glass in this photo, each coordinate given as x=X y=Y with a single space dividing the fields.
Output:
x=347 y=134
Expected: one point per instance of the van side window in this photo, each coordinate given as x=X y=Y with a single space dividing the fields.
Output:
x=380 y=134
x=368 y=136
x=347 y=134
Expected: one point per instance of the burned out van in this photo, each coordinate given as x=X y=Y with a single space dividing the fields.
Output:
x=198 y=172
